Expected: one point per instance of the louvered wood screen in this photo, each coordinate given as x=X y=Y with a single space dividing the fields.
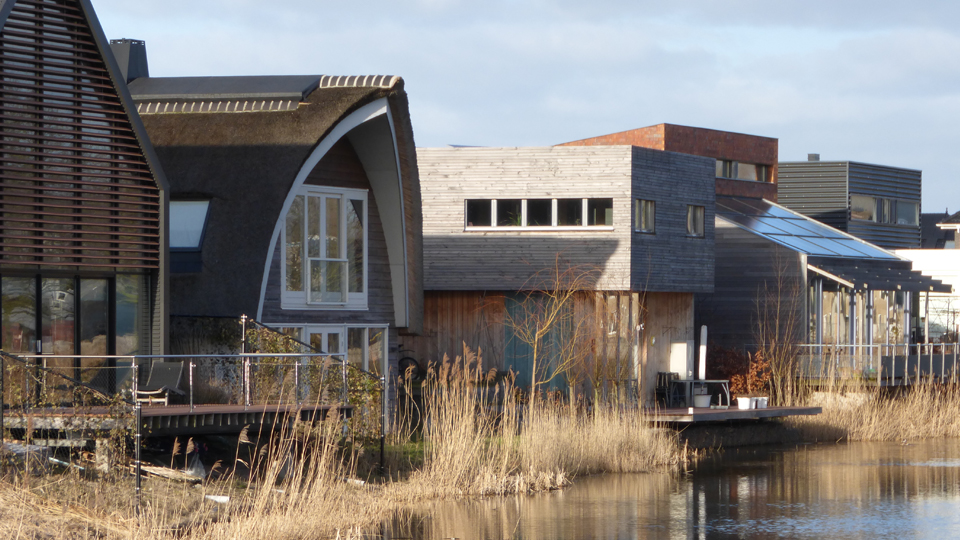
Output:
x=75 y=188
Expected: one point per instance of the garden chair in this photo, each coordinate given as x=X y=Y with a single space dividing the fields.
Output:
x=164 y=380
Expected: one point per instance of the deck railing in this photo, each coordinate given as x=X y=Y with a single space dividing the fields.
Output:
x=881 y=364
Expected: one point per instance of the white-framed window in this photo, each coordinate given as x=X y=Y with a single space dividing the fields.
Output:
x=364 y=347
x=537 y=214
x=324 y=261
x=644 y=215
x=695 y=221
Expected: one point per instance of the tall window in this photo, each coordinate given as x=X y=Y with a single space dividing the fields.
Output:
x=644 y=214
x=540 y=213
x=694 y=220
x=325 y=247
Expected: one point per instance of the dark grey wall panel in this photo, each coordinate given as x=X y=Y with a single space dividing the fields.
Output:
x=669 y=260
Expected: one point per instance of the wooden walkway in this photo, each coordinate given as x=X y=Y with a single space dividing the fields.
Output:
x=684 y=416
x=159 y=420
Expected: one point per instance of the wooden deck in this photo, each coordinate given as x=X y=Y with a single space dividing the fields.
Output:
x=159 y=420
x=684 y=416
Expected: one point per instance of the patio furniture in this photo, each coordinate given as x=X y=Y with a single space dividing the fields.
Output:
x=164 y=380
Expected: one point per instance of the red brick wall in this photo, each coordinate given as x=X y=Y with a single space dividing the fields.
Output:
x=707 y=143
x=648 y=137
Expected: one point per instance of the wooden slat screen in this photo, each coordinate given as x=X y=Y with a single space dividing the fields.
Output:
x=75 y=188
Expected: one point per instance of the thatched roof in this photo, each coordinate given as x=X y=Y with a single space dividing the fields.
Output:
x=246 y=162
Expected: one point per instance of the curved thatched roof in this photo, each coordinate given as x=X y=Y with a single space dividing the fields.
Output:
x=246 y=162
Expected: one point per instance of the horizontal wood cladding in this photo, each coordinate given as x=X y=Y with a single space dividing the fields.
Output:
x=479 y=321
x=515 y=258
x=455 y=259
x=75 y=188
x=747 y=266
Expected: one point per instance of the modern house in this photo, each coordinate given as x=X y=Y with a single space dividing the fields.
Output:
x=295 y=200
x=83 y=199
x=835 y=286
x=876 y=203
x=746 y=165
x=505 y=229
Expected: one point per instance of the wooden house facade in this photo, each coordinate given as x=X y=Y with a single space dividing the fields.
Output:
x=83 y=199
x=623 y=234
x=295 y=201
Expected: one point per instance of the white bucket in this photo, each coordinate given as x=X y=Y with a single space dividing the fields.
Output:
x=701 y=401
x=762 y=402
x=745 y=403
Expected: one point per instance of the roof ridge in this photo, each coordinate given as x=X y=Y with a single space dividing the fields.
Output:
x=342 y=81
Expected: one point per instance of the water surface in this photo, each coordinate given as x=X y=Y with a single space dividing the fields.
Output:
x=856 y=490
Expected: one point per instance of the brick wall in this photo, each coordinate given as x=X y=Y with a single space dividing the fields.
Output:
x=707 y=143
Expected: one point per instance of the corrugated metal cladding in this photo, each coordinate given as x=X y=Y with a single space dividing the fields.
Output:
x=887 y=182
x=75 y=188
x=822 y=189
x=815 y=188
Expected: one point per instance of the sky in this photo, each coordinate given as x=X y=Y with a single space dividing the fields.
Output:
x=877 y=81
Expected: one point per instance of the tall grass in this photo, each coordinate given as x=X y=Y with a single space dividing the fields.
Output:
x=478 y=439
x=860 y=412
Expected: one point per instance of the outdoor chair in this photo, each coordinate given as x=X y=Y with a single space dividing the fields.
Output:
x=164 y=380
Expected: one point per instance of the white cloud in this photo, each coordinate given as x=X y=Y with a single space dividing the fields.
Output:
x=871 y=81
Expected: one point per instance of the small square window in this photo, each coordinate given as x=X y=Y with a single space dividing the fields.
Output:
x=569 y=212
x=694 y=220
x=187 y=222
x=539 y=212
x=478 y=213
x=644 y=215
x=600 y=212
x=509 y=213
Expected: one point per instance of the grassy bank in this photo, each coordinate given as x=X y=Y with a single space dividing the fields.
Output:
x=477 y=439
x=857 y=412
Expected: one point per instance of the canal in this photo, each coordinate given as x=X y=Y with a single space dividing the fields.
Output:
x=855 y=490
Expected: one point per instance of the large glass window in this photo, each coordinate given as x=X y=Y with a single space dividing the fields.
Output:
x=62 y=316
x=644 y=214
x=325 y=249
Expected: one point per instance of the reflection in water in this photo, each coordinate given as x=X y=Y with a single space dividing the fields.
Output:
x=857 y=490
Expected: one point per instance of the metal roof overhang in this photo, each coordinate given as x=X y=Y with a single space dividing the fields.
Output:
x=877 y=275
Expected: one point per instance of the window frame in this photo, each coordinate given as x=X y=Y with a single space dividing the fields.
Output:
x=301 y=299
x=524 y=215
x=640 y=214
x=692 y=222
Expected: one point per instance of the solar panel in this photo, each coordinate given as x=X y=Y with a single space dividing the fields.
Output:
x=794 y=230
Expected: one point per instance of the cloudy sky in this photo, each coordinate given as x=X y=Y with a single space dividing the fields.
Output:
x=871 y=81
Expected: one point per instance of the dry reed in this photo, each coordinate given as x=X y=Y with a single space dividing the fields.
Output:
x=477 y=439
x=857 y=412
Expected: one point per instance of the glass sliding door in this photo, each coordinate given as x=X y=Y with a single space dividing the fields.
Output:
x=18 y=300
x=95 y=335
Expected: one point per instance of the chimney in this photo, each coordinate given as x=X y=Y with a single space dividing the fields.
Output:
x=131 y=54
x=813 y=157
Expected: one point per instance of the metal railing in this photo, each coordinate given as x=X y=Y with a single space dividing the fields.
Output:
x=882 y=364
